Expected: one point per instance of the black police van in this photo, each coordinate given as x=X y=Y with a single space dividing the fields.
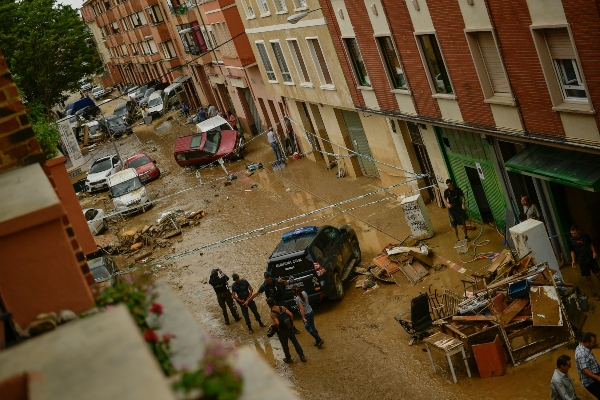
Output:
x=318 y=259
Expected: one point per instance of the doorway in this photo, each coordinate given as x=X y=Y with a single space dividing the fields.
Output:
x=479 y=195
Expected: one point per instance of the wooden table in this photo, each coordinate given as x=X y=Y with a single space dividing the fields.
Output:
x=448 y=346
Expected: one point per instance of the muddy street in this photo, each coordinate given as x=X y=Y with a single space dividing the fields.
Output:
x=366 y=353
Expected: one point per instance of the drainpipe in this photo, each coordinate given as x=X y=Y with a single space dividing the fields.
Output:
x=551 y=224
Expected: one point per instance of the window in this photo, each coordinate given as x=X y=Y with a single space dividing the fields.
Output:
x=124 y=50
x=134 y=50
x=102 y=29
x=488 y=65
x=107 y=5
x=145 y=47
x=168 y=50
x=300 y=4
x=285 y=72
x=319 y=59
x=152 y=45
x=125 y=24
x=392 y=63
x=264 y=8
x=223 y=37
x=298 y=60
x=186 y=39
x=198 y=37
x=435 y=64
x=262 y=51
x=115 y=28
x=357 y=61
x=565 y=63
x=207 y=33
x=155 y=14
x=98 y=8
x=280 y=6
x=138 y=19
x=249 y=8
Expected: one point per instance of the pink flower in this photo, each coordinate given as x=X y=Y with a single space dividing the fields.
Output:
x=156 y=309
x=150 y=336
x=209 y=368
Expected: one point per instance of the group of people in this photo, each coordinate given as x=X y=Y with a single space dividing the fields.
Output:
x=282 y=319
x=561 y=385
x=289 y=146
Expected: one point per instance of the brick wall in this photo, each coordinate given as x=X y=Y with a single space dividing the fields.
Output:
x=449 y=26
x=402 y=30
x=584 y=18
x=358 y=14
x=512 y=22
x=18 y=145
x=329 y=15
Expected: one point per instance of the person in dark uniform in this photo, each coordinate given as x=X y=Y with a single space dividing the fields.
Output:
x=454 y=198
x=241 y=291
x=218 y=281
x=583 y=251
x=273 y=289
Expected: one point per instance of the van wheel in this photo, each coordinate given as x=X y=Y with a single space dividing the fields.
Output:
x=338 y=287
x=356 y=253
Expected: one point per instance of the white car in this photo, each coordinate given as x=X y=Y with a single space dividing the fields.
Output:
x=128 y=192
x=100 y=170
x=95 y=220
x=98 y=92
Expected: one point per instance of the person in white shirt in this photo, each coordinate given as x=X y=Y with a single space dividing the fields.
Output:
x=274 y=142
x=561 y=386
x=308 y=315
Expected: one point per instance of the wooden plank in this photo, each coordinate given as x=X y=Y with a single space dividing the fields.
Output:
x=545 y=306
x=413 y=272
x=473 y=318
x=512 y=310
x=502 y=259
x=425 y=260
x=490 y=358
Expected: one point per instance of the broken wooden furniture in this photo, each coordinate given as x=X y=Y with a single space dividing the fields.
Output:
x=448 y=346
x=445 y=305
x=417 y=321
x=490 y=358
x=471 y=330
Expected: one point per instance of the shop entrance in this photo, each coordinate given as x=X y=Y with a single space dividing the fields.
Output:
x=478 y=195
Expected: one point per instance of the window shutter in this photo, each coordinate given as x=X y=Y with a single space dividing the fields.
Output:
x=559 y=44
x=493 y=63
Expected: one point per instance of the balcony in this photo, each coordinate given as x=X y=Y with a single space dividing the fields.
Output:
x=178 y=9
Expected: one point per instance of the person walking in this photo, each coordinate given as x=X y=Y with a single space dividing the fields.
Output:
x=283 y=319
x=561 y=386
x=308 y=316
x=185 y=109
x=583 y=251
x=232 y=119
x=218 y=280
x=530 y=209
x=274 y=142
x=587 y=366
x=241 y=291
x=454 y=198
x=212 y=111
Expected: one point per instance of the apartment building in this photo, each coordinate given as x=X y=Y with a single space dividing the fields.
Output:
x=497 y=95
x=299 y=62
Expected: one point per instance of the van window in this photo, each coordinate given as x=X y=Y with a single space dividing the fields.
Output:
x=123 y=188
x=154 y=102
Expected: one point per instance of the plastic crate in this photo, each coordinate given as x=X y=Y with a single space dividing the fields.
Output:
x=518 y=289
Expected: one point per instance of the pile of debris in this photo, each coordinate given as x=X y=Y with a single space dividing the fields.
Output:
x=132 y=242
x=396 y=261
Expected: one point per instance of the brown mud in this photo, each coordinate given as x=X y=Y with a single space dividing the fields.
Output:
x=366 y=353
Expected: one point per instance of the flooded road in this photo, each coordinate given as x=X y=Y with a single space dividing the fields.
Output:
x=366 y=354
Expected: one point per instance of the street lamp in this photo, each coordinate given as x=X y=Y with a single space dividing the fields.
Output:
x=293 y=19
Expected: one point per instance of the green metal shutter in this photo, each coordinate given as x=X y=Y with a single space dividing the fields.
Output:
x=457 y=165
x=493 y=193
x=360 y=143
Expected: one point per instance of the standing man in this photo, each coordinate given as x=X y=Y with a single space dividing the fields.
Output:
x=587 y=366
x=454 y=198
x=185 y=109
x=581 y=246
x=241 y=291
x=271 y=288
x=283 y=320
x=530 y=210
x=274 y=142
x=561 y=386
x=202 y=114
x=212 y=111
x=289 y=134
x=218 y=281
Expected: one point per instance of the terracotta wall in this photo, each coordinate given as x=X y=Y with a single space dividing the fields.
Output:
x=18 y=145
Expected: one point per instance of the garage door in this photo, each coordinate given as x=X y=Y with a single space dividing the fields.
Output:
x=360 y=143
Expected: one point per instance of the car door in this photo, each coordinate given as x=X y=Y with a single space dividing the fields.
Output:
x=335 y=246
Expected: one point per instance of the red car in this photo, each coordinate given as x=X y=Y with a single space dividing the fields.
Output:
x=144 y=166
x=215 y=139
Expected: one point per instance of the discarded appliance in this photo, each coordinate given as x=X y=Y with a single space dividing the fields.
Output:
x=530 y=236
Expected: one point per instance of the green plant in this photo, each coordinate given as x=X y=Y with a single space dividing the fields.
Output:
x=47 y=136
x=139 y=299
x=215 y=378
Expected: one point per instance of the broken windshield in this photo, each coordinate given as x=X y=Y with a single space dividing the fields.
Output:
x=128 y=186
x=213 y=139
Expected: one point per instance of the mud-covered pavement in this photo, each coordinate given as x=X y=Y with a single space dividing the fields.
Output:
x=366 y=354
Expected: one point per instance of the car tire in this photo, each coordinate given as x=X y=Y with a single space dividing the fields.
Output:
x=356 y=253
x=104 y=225
x=338 y=287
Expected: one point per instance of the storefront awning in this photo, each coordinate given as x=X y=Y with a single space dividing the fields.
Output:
x=568 y=167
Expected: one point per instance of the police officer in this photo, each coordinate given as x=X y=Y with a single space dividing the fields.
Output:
x=218 y=281
x=241 y=290
x=273 y=289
